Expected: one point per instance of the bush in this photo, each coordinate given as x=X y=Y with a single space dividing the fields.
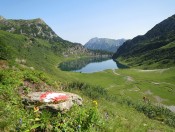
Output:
x=93 y=92
x=152 y=111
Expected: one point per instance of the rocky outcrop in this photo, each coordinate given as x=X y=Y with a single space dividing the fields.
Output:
x=56 y=101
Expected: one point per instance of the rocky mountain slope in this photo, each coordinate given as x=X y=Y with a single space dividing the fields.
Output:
x=33 y=28
x=110 y=45
x=155 y=49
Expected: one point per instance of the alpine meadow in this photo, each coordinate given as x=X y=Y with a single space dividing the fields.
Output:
x=52 y=84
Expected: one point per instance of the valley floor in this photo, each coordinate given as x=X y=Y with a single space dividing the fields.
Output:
x=120 y=96
x=157 y=86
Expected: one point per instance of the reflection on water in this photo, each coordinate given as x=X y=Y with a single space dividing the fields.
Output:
x=90 y=65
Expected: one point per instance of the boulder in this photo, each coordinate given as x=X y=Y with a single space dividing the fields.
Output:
x=59 y=101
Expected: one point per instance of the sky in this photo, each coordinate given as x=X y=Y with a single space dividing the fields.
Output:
x=81 y=20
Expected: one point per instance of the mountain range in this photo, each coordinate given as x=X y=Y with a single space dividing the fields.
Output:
x=155 y=49
x=104 y=44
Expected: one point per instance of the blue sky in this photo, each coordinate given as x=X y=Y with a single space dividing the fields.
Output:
x=81 y=20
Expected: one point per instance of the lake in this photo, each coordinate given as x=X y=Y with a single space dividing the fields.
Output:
x=90 y=65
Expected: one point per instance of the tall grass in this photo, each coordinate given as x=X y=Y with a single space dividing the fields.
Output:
x=150 y=110
x=93 y=92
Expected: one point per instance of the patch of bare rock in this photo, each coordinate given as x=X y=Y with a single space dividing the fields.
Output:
x=56 y=101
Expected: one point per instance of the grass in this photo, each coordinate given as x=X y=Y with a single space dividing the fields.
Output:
x=113 y=112
x=14 y=116
x=142 y=81
x=124 y=118
x=149 y=109
x=161 y=84
x=111 y=89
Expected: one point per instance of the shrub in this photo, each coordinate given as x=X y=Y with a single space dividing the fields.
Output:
x=94 y=92
x=152 y=111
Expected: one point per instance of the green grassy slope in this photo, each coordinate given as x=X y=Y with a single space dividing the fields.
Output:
x=36 y=52
x=135 y=84
x=119 y=93
x=130 y=86
x=155 y=49
x=110 y=114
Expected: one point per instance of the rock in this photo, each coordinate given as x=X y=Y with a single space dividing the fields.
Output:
x=57 y=101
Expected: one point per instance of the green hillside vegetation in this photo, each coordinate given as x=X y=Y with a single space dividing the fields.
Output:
x=113 y=99
x=37 y=53
x=14 y=117
x=113 y=92
x=111 y=113
x=37 y=32
x=155 y=49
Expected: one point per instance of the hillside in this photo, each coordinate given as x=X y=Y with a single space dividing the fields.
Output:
x=33 y=28
x=30 y=64
x=37 y=29
x=104 y=44
x=155 y=49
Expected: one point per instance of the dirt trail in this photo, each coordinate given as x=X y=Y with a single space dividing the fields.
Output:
x=159 y=99
x=155 y=70
x=128 y=78
x=148 y=92
x=113 y=70
x=135 y=89
x=157 y=83
x=172 y=108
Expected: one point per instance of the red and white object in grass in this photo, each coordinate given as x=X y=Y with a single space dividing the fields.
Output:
x=53 y=97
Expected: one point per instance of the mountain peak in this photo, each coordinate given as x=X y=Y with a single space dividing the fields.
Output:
x=36 y=28
x=39 y=20
x=105 y=44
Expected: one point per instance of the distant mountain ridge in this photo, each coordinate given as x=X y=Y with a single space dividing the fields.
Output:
x=105 y=44
x=154 y=49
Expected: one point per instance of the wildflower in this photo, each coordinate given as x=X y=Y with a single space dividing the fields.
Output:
x=95 y=102
x=18 y=127
x=20 y=121
x=37 y=119
x=36 y=109
x=79 y=126
x=144 y=124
